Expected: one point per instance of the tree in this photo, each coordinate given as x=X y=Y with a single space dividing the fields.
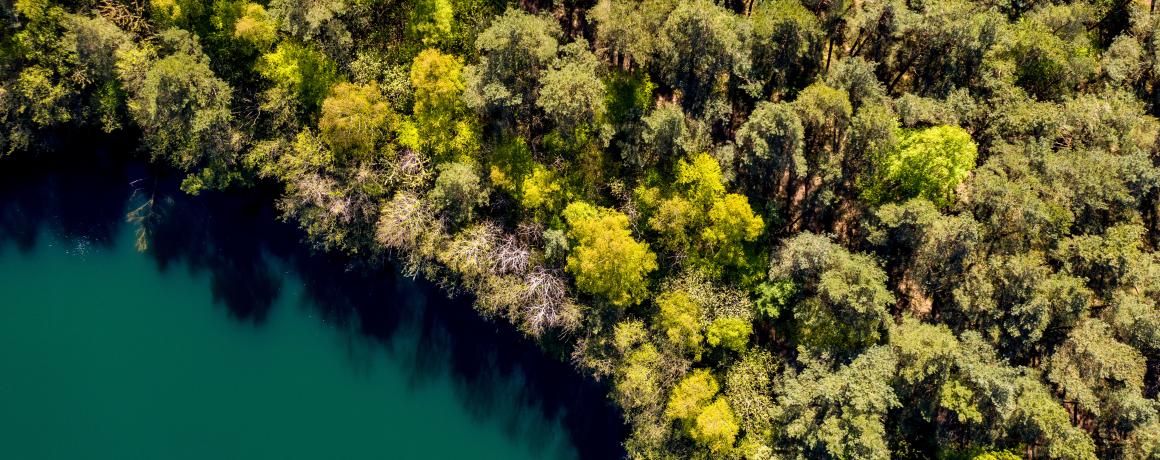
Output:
x=458 y=192
x=470 y=253
x=716 y=427
x=840 y=414
x=857 y=78
x=749 y=385
x=699 y=179
x=679 y=320
x=940 y=48
x=445 y=127
x=770 y=149
x=545 y=302
x=843 y=298
x=1137 y=322
x=825 y=115
x=60 y=68
x=301 y=71
x=514 y=54
x=355 y=122
x=1018 y=300
x=1143 y=443
x=786 y=46
x=1109 y=262
x=934 y=375
x=692 y=395
x=873 y=137
x=1047 y=62
x=698 y=220
x=702 y=46
x=732 y=223
x=1094 y=372
x=1143 y=27
x=97 y=42
x=405 y=224
x=256 y=26
x=182 y=108
x=572 y=94
x=729 y=333
x=317 y=21
x=335 y=198
x=928 y=163
x=605 y=259
x=543 y=193
x=636 y=384
x=665 y=135
x=431 y=21
x=1041 y=420
x=625 y=29
x=1008 y=198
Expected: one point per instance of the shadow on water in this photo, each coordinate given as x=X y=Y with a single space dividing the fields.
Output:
x=236 y=239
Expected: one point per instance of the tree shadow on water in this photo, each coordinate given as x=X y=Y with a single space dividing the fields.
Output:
x=72 y=196
x=500 y=377
x=222 y=235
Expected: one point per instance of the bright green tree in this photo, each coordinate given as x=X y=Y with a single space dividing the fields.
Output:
x=605 y=259
x=300 y=71
x=679 y=320
x=928 y=163
x=355 y=121
x=716 y=427
x=446 y=129
x=729 y=333
x=692 y=395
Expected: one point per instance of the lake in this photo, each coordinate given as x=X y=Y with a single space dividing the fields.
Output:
x=227 y=338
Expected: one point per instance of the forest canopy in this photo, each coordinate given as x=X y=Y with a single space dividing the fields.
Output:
x=776 y=228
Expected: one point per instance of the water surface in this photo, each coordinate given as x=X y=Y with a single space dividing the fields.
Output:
x=227 y=339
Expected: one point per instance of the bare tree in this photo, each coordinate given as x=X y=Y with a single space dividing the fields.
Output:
x=471 y=252
x=410 y=169
x=546 y=304
x=511 y=257
x=129 y=15
x=402 y=221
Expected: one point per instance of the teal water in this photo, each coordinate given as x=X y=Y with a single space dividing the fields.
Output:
x=211 y=345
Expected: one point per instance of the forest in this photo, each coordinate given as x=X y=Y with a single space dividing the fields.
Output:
x=855 y=229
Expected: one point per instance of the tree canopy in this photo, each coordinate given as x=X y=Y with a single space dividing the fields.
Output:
x=775 y=228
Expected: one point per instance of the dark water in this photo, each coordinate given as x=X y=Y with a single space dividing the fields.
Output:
x=228 y=339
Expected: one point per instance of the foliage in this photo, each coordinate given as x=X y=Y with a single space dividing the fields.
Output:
x=445 y=128
x=301 y=71
x=842 y=301
x=729 y=333
x=701 y=45
x=913 y=229
x=680 y=320
x=605 y=259
x=515 y=52
x=355 y=120
x=859 y=395
x=458 y=192
x=928 y=163
x=181 y=106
